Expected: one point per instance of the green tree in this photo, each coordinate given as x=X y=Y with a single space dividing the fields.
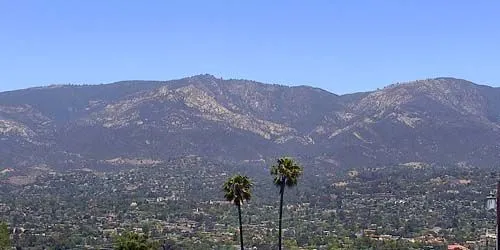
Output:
x=237 y=189
x=134 y=241
x=286 y=174
x=4 y=236
x=291 y=244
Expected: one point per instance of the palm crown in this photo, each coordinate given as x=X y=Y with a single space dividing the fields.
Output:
x=237 y=189
x=286 y=171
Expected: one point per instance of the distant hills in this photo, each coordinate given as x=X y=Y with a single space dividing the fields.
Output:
x=133 y=123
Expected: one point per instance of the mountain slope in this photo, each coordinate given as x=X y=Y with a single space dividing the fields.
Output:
x=442 y=120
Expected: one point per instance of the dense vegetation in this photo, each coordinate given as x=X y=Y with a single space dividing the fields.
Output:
x=180 y=204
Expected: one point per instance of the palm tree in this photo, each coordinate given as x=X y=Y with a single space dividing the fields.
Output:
x=237 y=189
x=286 y=174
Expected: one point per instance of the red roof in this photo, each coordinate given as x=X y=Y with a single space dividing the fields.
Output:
x=456 y=247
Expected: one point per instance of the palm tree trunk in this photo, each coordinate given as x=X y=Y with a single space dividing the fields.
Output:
x=241 y=227
x=282 y=190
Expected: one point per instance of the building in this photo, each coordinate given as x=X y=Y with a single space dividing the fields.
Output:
x=491 y=201
x=456 y=247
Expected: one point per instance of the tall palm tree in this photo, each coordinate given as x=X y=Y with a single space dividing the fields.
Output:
x=286 y=174
x=237 y=189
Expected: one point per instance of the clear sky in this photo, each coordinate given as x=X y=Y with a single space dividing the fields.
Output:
x=342 y=46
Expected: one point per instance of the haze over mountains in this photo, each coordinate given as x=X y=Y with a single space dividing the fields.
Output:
x=442 y=121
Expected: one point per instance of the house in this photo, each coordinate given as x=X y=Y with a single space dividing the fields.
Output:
x=456 y=247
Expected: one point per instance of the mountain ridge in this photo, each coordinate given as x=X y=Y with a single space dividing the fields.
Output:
x=136 y=81
x=440 y=120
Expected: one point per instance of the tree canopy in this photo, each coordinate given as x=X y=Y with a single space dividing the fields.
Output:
x=237 y=189
x=134 y=241
x=4 y=236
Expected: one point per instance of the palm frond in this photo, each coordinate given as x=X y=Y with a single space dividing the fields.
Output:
x=286 y=171
x=237 y=189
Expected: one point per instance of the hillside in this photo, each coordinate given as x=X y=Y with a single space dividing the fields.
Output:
x=443 y=120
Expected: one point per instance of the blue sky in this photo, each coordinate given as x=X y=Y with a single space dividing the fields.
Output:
x=341 y=46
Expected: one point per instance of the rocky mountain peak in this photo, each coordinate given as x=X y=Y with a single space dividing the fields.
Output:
x=458 y=95
x=203 y=79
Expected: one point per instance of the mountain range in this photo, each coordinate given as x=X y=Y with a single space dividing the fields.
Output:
x=143 y=123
